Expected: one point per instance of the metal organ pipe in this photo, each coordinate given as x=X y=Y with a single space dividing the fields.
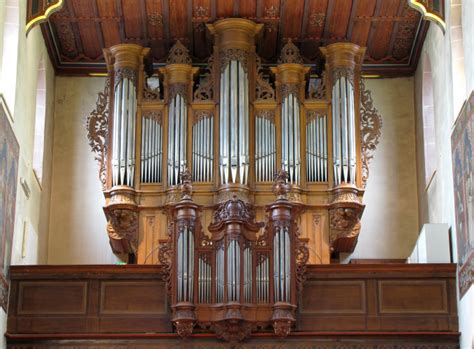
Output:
x=344 y=149
x=203 y=154
x=123 y=138
x=316 y=148
x=177 y=115
x=291 y=157
x=151 y=149
x=234 y=124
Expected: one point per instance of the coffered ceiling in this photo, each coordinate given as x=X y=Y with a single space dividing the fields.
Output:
x=392 y=32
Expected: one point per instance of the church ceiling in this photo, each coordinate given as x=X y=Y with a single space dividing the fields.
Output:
x=392 y=32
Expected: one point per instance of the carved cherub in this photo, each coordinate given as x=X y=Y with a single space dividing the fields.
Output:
x=280 y=185
x=186 y=186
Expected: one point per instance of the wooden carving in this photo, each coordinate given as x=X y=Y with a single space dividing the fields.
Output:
x=97 y=131
x=371 y=130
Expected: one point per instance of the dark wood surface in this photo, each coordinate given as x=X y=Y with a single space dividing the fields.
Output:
x=413 y=303
x=392 y=32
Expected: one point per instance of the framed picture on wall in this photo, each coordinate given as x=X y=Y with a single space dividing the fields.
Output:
x=9 y=157
x=463 y=179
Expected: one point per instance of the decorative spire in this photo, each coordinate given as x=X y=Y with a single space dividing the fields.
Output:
x=179 y=54
x=290 y=54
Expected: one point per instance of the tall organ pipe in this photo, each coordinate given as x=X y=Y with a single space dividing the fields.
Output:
x=123 y=138
x=234 y=124
x=177 y=121
x=290 y=130
x=344 y=149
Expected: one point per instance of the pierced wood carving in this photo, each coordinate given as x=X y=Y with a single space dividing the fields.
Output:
x=179 y=54
x=264 y=89
x=371 y=130
x=205 y=88
x=290 y=54
x=97 y=124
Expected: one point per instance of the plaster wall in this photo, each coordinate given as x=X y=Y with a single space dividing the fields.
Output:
x=390 y=220
x=436 y=199
x=30 y=245
x=77 y=225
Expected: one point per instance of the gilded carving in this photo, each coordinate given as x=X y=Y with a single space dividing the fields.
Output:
x=97 y=124
x=288 y=89
x=290 y=54
x=155 y=19
x=371 y=130
x=264 y=89
x=179 y=54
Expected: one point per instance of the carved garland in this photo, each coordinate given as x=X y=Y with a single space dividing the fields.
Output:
x=371 y=130
x=97 y=131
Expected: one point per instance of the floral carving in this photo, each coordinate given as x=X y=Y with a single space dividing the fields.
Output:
x=234 y=54
x=345 y=223
x=186 y=186
x=302 y=257
x=150 y=94
x=317 y=19
x=124 y=73
x=290 y=54
x=234 y=208
x=97 y=131
x=153 y=115
x=125 y=225
x=264 y=89
x=371 y=130
x=184 y=328
x=205 y=89
x=3 y=294
x=178 y=88
x=179 y=54
x=155 y=19
x=282 y=328
x=288 y=89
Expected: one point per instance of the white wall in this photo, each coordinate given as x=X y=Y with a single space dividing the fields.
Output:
x=437 y=199
x=77 y=223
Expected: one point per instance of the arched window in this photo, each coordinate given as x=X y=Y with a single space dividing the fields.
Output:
x=428 y=120
x=457 y=56
x=10 y=52
x=38 y=149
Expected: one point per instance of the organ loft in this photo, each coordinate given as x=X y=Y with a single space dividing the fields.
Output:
x=234 y=177
x=215 y=174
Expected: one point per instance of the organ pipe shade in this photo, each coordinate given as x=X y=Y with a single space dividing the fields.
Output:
x=203 y=149
x=343 y=130
x=177 y=126
x=290 y=136
x=151 y=149
x=185 y=265
x=123 y=137
x=234 y=124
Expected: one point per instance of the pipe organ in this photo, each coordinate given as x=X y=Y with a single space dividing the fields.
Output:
x=231 y=180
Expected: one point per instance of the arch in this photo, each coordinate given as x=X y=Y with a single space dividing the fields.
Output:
x=11 y=32
x=40 y=119
x=429 y=140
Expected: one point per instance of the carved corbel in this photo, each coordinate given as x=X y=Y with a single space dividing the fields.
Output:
x=122 y=220
x=344 y=219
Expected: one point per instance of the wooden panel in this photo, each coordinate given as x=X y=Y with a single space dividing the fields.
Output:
x=362 y=22
x=124 y=297
x=224 y=8
x=248 y=8
x=382 y=30
x=109 y=23
x=132 y=20
x=339 y=20
x=50 y=297
x=405 y=297
x=178 y=19
x=292 y=19
x=331 y=297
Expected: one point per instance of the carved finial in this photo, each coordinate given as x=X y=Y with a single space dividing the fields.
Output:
x=280 y=185
x=290 y=54
x=179 y=54
x=186 y=186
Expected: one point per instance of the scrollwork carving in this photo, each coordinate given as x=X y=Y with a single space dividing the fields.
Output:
x=179 y=54
x=290 y=54
x=97 y=131
x=264 y=89
x=178 y=88
x=344 y=222
x=287 y=89
x=318 y=91
x=371 y=130
x=125 y=225
x=150 y=94
x=205 y=88
x=345 y=72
